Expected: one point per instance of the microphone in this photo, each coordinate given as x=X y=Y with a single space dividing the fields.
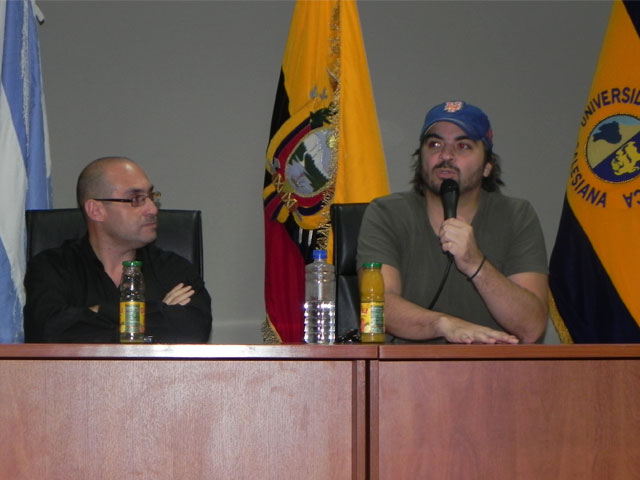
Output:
x=449 y=193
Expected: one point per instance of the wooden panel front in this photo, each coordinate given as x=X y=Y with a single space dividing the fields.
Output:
x=508 y=419
x=187 y=419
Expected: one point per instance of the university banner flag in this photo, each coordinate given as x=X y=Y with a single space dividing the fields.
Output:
x=24 y=153
x=595 y=263
x=324 y=147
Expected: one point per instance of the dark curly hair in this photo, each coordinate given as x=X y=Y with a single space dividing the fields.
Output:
x=491 y=183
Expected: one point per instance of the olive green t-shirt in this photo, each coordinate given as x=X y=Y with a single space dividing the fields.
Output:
x=396 y=231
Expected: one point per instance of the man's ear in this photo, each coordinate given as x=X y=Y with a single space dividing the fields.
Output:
x=94 y=210
x=487 y=169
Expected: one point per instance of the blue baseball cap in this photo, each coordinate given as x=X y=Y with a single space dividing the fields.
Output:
x=469 y=118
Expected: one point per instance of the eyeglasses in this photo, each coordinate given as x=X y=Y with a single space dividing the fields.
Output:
x=136 y=200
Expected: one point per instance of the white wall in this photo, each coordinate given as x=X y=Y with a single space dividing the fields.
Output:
x=187 y=88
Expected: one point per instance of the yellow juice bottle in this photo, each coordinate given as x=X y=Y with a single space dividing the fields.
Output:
x=371 y=304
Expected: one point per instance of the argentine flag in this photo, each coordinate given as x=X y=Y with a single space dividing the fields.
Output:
x=24 y=153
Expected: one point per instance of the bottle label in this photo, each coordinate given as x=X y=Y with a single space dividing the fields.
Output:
x=372 y=317
x=132 y=317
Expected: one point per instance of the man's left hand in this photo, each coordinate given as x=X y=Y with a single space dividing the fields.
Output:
x=179 y=295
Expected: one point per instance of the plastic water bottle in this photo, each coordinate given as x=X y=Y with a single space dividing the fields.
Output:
x=320 y=300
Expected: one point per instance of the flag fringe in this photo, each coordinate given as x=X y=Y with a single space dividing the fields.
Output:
x=269 y=333
x=558 y=323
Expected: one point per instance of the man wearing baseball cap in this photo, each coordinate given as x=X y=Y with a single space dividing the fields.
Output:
x=497 y=290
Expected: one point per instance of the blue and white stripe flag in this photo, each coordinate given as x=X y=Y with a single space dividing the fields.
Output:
x=25 y=180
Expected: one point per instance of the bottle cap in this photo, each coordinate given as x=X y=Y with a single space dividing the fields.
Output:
x=319 y=254
x=132 y=263
x=372 y=265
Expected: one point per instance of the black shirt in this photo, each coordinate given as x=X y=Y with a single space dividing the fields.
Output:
x=62 y=283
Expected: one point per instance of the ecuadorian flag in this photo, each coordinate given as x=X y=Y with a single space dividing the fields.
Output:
x=324 y=147
x=595 y=264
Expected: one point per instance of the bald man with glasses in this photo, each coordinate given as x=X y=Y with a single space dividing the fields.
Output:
x=73 y=291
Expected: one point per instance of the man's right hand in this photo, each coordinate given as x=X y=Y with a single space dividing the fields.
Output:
x=179 y=295
x=456 y=330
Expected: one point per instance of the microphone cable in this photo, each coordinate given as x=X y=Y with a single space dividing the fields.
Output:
x=442 y=282
x=435 y=297
x=449 y=193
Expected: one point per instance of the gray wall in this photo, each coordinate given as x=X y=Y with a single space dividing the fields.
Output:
x=187 y=89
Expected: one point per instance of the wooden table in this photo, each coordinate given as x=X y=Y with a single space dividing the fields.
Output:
x=506 y=412
x=312 y=412
x=182 y=412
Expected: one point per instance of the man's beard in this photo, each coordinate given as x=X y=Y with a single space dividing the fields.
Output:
x=431 y=183
x=467 y=184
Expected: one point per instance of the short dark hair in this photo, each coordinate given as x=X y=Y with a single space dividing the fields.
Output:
x=491 y=183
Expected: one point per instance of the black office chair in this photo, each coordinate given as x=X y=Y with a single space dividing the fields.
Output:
x=179 y=231
x=345 y=221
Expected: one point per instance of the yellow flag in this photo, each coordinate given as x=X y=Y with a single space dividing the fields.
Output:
x=324 y=147
x=595 y=262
